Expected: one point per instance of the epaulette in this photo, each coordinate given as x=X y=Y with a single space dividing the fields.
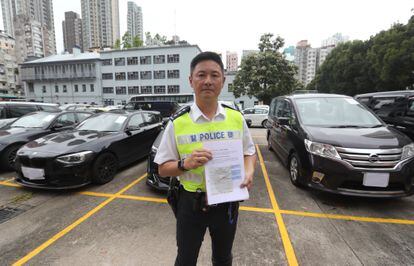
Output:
x=227 y=106
x=180 y=112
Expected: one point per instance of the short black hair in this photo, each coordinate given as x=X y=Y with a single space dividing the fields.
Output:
x=204 y=56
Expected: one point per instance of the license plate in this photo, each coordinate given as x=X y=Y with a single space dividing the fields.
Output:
x=33 y=173
x=376 y=179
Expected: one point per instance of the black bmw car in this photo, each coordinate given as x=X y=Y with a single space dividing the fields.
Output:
x=154 y=180
x=92 y=152
x=31 y=127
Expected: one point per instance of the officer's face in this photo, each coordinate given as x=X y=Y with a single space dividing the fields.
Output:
x=207 y=80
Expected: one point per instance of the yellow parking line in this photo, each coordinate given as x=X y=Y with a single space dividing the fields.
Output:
x=290 y=252
x=8 y=184
x=255 y=209
x=131 y=197
x=75 y=224
x=348 y=217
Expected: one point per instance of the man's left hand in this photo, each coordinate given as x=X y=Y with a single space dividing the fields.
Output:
x=248 y=182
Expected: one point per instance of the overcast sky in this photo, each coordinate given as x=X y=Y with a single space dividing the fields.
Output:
x=236 y=25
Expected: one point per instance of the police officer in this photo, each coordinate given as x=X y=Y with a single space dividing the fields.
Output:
x=181 y=154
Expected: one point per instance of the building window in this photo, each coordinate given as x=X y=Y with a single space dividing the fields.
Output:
x=56 y=88
x=65 y=89
x=91 y=86
x=133 y=90
x=106 y=62
x=159 y=59
x=31 y=87
x=108 y=102
x=146 y=75
x=173 y=74
x=230 y=87
x=120 y=61
x=119 y=75
x=160 y=74
x=173 y=89
x=159 y=89
x=145 y=60
x=132 y=60
x=76 y=88
x=173 y=58
x=83 y=87
x=44 y=89
x=133 y=75
x=107 y=76
x=108 y=90
x=146 y=89
x=120 y=90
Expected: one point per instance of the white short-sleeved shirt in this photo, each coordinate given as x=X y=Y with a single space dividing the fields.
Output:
x=167 y=151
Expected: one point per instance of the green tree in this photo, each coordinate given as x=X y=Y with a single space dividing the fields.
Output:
x=137 y=42
x=384 y=62
x=126 y=40
x=265 y=74
x=117 y=44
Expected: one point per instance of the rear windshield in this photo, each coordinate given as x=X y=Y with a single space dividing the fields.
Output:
x=335 y=112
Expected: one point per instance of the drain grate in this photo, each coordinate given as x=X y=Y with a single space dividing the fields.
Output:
x=6 y=213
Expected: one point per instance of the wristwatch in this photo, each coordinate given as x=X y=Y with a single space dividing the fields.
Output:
x=181 y=165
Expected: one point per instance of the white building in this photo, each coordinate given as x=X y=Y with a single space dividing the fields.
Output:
x=232 y=61
x=100 y=23
x=65 y=78
x=114 y=76
x=135 y=21
x=8 y=64
x=334 y=40
x=158 y=70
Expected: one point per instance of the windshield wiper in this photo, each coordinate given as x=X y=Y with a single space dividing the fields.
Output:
x=379 y=125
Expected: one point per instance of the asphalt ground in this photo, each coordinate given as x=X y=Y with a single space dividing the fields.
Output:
x=126 y=223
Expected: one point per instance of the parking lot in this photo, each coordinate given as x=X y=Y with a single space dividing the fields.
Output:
x=126 y=223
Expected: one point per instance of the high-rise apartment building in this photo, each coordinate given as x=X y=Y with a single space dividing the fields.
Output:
x=232 y=61
x=301 y=60
x=8 y=64
x=134 y=20
x=100 y=23
x=31 y=22
x=334 y=40
x=72 y=31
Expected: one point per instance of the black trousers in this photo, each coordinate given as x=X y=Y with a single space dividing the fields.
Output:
x=221 y=221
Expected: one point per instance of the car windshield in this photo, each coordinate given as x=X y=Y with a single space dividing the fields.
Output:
x=335 y=112
x=35 y=120
x=104 y=122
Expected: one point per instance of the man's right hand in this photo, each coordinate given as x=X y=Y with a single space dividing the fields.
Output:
x=198 y=157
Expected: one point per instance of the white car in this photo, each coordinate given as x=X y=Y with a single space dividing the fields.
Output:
x=256 y=116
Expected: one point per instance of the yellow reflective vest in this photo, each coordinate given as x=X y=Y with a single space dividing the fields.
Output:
x=190 y=136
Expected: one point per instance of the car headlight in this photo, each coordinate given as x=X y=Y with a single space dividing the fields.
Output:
x=408 y=151
x=321 y=149
x=74 y=158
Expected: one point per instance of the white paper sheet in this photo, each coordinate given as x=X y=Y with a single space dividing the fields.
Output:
x=225 y=172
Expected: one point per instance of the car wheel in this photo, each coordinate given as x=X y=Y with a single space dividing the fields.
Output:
x=295 y=170
x=264 y=123
x=249 y=123
x=9 y=155
x=104 y=168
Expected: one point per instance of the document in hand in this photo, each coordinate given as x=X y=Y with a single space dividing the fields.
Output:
x=225 y=172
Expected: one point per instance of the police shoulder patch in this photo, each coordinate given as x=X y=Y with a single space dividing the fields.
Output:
x=180 y=112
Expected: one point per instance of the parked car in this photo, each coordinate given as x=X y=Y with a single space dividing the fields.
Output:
x=33 y=126
x=165 y=108
x=256 y=117
x=333 y=143
x=10 y=111
x=92 y=152
x=395 y=108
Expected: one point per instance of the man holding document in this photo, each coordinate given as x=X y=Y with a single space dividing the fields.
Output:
x=209 y=147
